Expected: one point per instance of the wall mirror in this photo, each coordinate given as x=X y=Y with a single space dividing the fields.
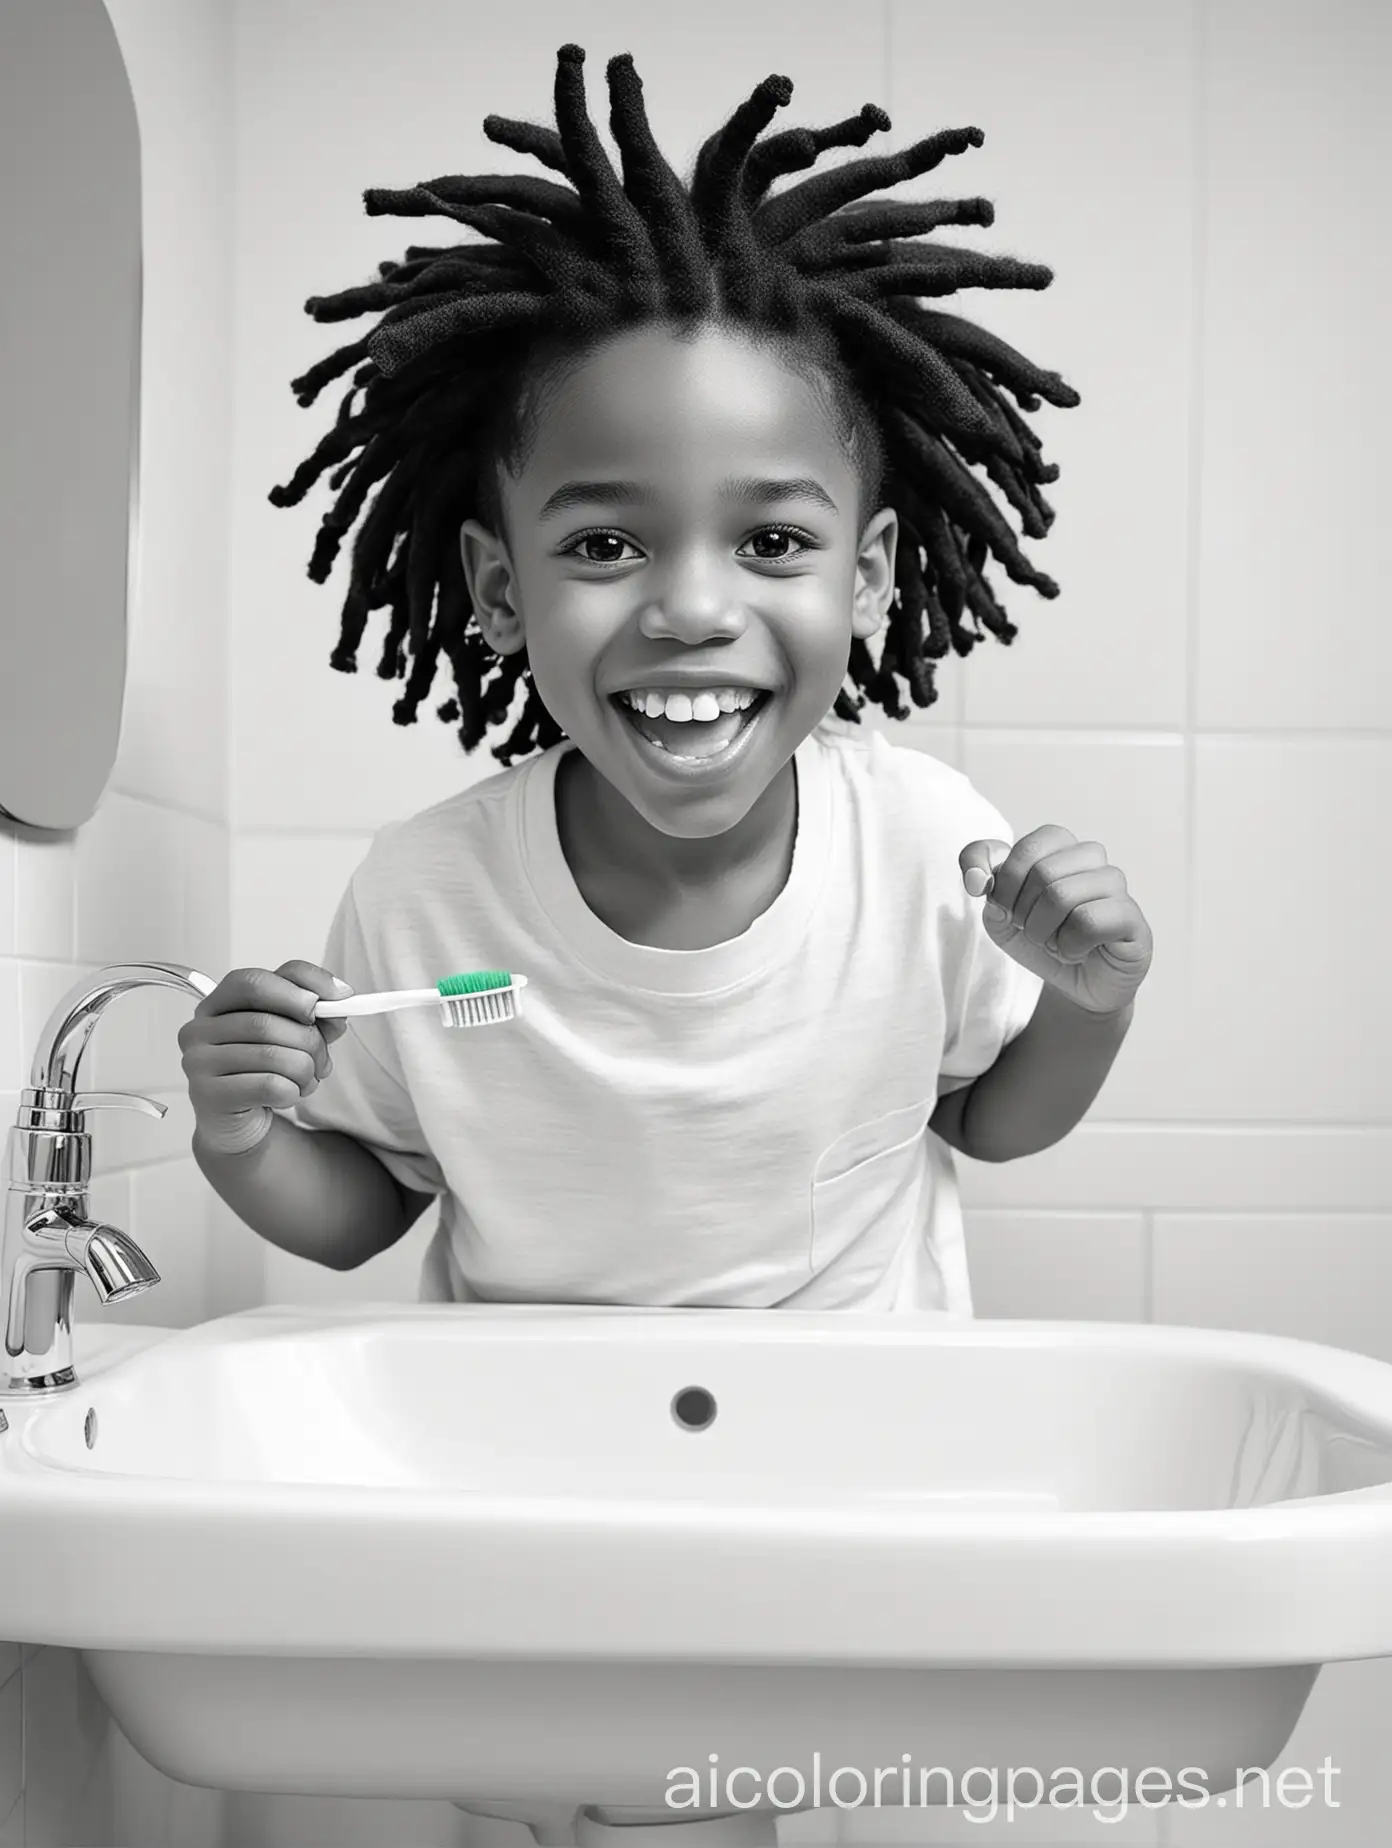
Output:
x=70 y=224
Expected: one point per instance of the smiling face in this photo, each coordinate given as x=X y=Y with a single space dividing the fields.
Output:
x=688 y=565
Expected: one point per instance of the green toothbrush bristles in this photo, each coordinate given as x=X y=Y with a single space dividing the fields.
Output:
x=477 y=983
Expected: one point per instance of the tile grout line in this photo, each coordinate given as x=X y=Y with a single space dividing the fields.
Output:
x=1197 y=332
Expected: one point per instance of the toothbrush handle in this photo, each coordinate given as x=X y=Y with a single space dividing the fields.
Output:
x=386 y=1003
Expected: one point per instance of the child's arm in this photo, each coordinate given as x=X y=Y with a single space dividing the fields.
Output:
x=1060 y=910
x=1040 y=1086
x=316 y=1193
x=251 y=1046
x=946 y=1120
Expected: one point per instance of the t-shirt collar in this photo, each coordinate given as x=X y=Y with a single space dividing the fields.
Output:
x=772 y=937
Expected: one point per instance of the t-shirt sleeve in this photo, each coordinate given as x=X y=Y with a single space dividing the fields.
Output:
x=989 y=997
x=365 y=1095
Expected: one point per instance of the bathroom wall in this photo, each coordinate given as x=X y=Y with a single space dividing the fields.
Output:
x=146 y=877
x=1206 y=698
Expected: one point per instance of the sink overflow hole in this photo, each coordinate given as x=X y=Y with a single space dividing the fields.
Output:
x=693 y=1408
x=89 y=1426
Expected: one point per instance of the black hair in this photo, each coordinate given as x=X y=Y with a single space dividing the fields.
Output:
x=472 y=336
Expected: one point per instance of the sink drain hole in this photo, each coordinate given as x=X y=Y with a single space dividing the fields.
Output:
x=89 y=1426
x=693 y=1408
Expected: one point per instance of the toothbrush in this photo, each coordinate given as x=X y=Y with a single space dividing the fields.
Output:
x=475 y=1000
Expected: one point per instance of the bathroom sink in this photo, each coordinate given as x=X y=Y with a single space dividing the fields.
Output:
x=510 y=1552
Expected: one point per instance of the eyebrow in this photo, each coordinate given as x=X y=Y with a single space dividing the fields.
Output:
x=760 y=490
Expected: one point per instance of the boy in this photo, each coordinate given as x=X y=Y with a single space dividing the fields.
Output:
x=666 y=461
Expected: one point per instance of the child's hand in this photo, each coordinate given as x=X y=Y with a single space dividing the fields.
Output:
x=1062 y=912
x=253 y=1047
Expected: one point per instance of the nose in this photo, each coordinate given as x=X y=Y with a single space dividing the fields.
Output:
x=695 y=605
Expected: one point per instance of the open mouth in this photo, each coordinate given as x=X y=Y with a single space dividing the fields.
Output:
x=692 y=726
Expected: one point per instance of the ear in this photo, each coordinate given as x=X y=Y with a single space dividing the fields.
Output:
x=874 y=580
x=492 y=588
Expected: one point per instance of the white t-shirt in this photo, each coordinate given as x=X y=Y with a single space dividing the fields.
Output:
x=739 y=1126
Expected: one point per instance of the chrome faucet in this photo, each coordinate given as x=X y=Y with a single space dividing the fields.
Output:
x=47 y=1236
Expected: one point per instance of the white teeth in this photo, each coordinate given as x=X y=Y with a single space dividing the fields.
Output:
x=706 y=705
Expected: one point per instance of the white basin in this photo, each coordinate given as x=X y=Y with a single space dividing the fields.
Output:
x=472 y=1552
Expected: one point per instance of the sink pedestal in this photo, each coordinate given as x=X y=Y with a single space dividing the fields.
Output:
x=756 y=1830
x=552 y=1824
x=560 y=1826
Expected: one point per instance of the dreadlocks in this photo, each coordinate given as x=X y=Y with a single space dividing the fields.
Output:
x=471 y=332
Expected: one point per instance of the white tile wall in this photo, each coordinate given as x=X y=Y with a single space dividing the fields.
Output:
x=11 y=1733
x=1206 y=697
x=146 y=878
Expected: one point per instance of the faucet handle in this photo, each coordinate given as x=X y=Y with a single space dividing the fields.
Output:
x=50 y=1147
x=116 y=1100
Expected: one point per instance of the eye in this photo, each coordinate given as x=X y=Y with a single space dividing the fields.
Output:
x=782 y=532
x=601 y=536
x=594 y=538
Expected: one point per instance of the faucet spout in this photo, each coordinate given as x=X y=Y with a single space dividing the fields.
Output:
x=116 y=1265
x=54 y=1245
